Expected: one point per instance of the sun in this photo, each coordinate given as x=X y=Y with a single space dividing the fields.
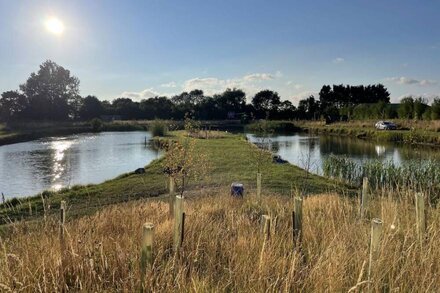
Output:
x=54 y=25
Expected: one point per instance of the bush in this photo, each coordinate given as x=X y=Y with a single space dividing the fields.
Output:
x=158 y=128
x=96 y=124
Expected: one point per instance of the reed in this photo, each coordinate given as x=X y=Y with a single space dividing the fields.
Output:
x=415 y=175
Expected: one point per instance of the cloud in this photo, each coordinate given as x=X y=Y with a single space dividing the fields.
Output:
x=296 y=86
x=408 y=81
x=137 y=96
x=258 y=77
x=250 y=83
x=171 y=84
x=338 y=60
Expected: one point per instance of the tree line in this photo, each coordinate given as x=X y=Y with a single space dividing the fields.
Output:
x=52 y=93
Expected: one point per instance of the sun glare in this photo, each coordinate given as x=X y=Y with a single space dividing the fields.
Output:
x=54 y=25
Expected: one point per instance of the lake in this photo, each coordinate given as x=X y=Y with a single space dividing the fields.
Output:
x=309 y=151
x=53 y=163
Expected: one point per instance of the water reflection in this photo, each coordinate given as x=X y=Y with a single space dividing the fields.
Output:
x=53 y=163
x=308 y=152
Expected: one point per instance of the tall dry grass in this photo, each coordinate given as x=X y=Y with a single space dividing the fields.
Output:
x=223 y=249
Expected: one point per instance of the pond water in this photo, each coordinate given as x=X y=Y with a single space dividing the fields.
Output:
x=309 y=151
x=53 y=163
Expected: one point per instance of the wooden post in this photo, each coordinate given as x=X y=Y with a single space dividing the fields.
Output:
x=182 y=230
x=297 y=219
x=420 y=215
x=171 y=197
x=30 y=209
x=146 y=251
x=376 y=231
x=364 y=197
x=259 y=186
x=178 y=220
x=265 y=226
x=62 y=218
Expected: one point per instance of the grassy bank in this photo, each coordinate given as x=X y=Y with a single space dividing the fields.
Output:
x=224 y=249
x=231 y=158
x=20 y=132
x=411 y=132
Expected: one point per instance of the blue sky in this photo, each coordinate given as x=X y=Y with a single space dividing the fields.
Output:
x=143 y=48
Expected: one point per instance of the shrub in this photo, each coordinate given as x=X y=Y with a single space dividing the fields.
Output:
x=158 y=128
x=96 y=124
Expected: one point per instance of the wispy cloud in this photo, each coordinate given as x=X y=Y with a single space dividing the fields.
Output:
x=338 y=60
x=409 y=81
x=171 y=84
x=296 y=86
x=258 y=77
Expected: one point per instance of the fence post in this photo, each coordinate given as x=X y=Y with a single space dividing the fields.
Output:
x=171 y=197
x=297 y=219
x=146 y=251
x=30 y=209
x=364 y=197
x=178 y=221
x=265 y=226
x=420 y=215
x=258 y=185
x=376 y=231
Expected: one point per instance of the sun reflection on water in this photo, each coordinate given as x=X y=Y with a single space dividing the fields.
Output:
x=60 y=148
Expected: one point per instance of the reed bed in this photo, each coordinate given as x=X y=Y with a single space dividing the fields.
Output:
x=416 y=175
x=224 y=249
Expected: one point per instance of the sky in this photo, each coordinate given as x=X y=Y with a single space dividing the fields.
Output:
x=140 y=49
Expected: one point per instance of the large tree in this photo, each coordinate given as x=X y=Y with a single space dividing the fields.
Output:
x=266 y=103
x=49 y=92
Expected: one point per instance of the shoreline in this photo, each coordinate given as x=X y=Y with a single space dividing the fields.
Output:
x=223 y=154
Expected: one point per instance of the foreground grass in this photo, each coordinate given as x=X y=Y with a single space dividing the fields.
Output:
x=223 y=248
x=231 y=158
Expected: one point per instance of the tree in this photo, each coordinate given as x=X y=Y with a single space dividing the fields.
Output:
x=91 y=108
x=266 y=103
x=419 y=107
x=406 y=108
x=49 y=92
x=126 y=108
x=435 y=109
x=12 y=105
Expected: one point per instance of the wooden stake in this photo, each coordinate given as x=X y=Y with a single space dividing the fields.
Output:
x=30 y=209
x=265 y=225
x=146 y=251
x=364 y=197
x=420 y=216
x=376 y=231
x=171 y=197
x=297 y=220
x=178 y=220
x=259 y=186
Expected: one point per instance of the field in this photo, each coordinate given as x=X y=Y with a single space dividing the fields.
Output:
x=225 y=250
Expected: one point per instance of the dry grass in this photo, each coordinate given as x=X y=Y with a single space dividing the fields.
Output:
x=223 y=249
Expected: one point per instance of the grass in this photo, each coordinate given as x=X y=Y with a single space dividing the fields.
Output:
x=410 y=132
x=158 y=128
x=224 y=249
x=231 y=158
